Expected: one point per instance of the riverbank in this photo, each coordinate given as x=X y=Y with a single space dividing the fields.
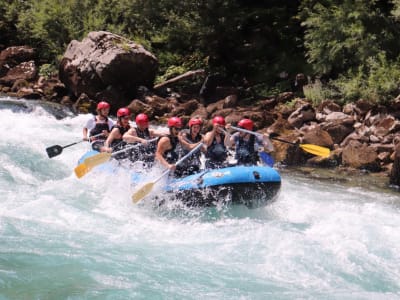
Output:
x=362 y=135
x=345 y=177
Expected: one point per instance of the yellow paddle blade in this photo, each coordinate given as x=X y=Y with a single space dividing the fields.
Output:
x=81 y=170
x=91 y=162
x=97 y=159
x=142 y=192
x=316 y=150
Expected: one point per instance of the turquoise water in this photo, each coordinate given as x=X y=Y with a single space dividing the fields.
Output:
x=68 y=238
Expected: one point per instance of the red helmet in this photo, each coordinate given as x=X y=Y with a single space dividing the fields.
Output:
x=142 y=119
x=195 y=121
x=103 y=104
x=219 y=120
x=175 y=122
x=122 y=112
x=246 y=124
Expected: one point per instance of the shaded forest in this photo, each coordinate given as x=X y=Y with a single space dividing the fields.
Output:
x=349 y=49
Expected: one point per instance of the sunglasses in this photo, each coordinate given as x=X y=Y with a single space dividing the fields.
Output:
x=126 y=117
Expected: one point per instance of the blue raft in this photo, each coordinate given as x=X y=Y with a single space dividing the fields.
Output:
x=253 y=186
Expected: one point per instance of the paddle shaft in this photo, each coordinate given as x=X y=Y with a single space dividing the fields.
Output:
x=69 y=145
x=57 y=149
x=146 y=189
x=131 y=147
x=247 y=131
x=283 y=141
x=180 y=160
x=313 y=149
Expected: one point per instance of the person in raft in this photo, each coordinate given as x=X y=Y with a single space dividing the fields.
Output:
x=247 y=145
x=100 y=123
x=140 y=135
x=114 y=140
x=217 y=141
x=169 y=148
x=193 y=136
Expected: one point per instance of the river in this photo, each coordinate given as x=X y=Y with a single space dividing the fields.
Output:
x=68 y=238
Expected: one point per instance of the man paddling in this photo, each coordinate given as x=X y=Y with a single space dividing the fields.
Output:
x=99 y=124
x=141 y=135
x=247 y=145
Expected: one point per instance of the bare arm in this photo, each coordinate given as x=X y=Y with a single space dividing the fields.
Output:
x=156 y=133
x=131 y=137
x=184 y=142
x=209 y=137
x=228 y=141
x=85 y=134
x=163 y=146
x=114 y=134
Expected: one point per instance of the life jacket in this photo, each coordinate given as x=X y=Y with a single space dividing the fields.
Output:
x=142 y=152
x=145 y=134
x=193 y=161
x=245 y=153
x=172 y=155
x=99 y=127
x=217 y=151
x=119 y=144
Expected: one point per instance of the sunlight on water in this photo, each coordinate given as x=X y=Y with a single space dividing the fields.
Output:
x=68 y=238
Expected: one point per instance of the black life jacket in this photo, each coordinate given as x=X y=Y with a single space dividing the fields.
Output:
x=118 y=144
x=172 y=155
x=245 y=153
x=145 y=134
x=217 y=151
x=142 y=152
x=194 y=159
x=99 y=127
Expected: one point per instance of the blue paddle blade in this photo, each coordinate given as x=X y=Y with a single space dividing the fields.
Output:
x=266 y=158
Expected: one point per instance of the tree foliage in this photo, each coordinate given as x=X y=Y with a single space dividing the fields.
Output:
x=244 y=41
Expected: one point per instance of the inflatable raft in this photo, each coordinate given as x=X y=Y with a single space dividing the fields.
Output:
x=253 y=186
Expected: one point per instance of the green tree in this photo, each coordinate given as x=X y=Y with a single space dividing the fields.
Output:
x=342 y=35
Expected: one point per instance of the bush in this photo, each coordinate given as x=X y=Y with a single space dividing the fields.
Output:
x=316 y=92
x=378 y=82
x=47 y=71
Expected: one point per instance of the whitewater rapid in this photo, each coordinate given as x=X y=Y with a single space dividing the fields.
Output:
x=68 y=238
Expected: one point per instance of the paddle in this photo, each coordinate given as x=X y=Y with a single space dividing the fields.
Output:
x=98 y=159
x=266 y=158
x=146 y=188
x=57 y=149
x=310 y=148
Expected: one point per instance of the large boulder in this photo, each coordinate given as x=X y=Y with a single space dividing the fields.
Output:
x=395 y=172
x=360 y=156
x=107 y=65
x=13 y=56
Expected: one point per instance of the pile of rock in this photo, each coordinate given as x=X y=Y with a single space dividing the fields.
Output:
x=105 y=66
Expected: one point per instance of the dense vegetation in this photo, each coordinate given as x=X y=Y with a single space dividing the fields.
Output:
x=352 y=46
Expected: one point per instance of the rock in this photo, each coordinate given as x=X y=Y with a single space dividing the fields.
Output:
x=395 y=172
x=328 y=106
x=360 y=156
x=25 y=70
x=13 y=56
x=104 y=61
x=315 y=135
x=303 y=114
